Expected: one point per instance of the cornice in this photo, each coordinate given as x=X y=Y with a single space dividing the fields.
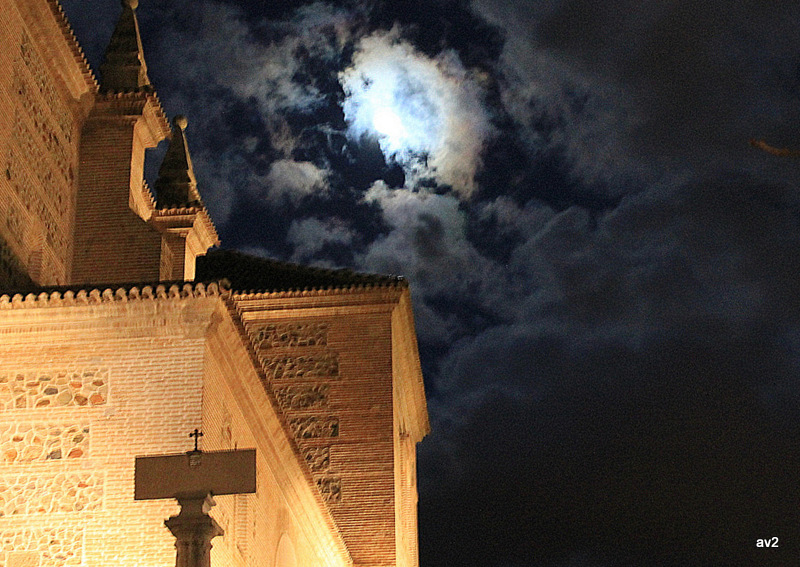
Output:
x=186 y=217
x=133 y=105
x=72 y=41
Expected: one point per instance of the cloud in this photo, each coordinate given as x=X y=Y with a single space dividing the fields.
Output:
x=427 y=243
x=427 y=114
x=267 y=65
x=621 y=371
x=651 y=350
x=291 y=180
x=633 y=93
x=310 y=235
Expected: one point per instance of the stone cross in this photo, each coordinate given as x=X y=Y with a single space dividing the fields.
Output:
x=197 y=434
x=193 y=478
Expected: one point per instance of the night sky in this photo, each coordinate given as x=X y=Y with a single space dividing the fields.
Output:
x=606 y=274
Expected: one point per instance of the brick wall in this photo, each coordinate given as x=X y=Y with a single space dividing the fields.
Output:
x=341 y=367
x=86 y=388
x=42 y=84
x=113 y=244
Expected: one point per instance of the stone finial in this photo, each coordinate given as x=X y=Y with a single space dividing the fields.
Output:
x=124 y=69
x=176 y=185
x=180 y=121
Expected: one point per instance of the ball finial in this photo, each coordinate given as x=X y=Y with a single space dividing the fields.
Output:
x=132 y=3
x=180 y=121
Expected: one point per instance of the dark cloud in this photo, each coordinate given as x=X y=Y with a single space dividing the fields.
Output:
x=626 y=401
x=670 y=85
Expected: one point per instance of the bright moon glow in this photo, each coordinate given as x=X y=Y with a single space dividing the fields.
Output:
x=425 y=113
x=388 y=123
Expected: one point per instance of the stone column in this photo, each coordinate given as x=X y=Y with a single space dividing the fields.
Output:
x=194 y=529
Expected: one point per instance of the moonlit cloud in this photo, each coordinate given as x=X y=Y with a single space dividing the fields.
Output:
x=292 y=180
x=309 y=236
x=426 y=113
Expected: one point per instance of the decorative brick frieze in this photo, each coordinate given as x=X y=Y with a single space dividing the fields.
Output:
x=331 y=489
x=58 y=546
x=63 y=492
x=312 y=427
x=60 y=388
x=22 y=443
x=303 y=397
x=107 y=295
x=305 y=367
x=287 y=335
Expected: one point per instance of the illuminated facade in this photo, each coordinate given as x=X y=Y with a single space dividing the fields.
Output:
x=120 y=332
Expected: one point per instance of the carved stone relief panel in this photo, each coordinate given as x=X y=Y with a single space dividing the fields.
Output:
x=305 y=367
x=288 y=335
x=303 y=397
x=317 y=458
x=314 y=427
x=331 y=489
x=226 y=428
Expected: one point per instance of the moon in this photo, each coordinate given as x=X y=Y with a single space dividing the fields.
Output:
x=425 y=113
x=387 y=123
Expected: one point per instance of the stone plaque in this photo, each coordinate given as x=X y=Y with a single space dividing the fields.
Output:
x=215 y=472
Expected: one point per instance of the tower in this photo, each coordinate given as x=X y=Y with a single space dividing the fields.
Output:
x=122 y=329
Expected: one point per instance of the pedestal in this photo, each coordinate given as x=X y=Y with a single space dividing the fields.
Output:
x=194 y=529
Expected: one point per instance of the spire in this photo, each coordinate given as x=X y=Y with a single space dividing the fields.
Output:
x=124 y=69
x=176 y=185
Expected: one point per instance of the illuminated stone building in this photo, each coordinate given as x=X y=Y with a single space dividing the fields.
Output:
x=123 y=328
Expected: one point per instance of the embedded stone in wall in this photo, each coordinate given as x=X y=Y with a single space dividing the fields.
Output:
x=75 y=388
x=312 y=427
x=51 y=547
x=317 y=458
x=22 y=443
x=50 y=209
x=331 y=489
x=43 y=83
x=307 y=367
x=280 y=335
x=303 y=397
x=50 y=493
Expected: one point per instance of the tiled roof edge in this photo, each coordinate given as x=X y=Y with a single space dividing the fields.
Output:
x=110 y=294
x=356 y=278
x=317 y=291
